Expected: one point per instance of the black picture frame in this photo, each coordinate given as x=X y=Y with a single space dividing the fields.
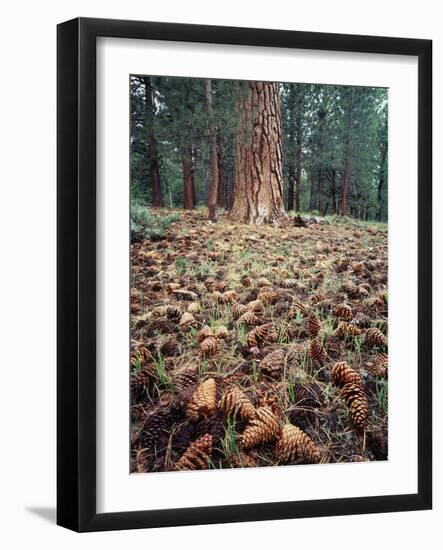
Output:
x=76 y=281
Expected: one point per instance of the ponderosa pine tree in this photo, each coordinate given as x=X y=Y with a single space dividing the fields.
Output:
x=154 y=172
x=213 y=156
x=258 y=183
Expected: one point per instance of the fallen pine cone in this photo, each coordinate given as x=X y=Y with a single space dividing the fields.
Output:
x=317 y=352
x=263 y=334
x=235 y=402
x=374 y=337
x=196 y=456
x=342 y=373
x=273 y=363
x=203 y=401
x=261 y=429
x=209 y=346
x=294 y=444
x=357 y=403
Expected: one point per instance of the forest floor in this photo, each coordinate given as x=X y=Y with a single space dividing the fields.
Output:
x=236 y=333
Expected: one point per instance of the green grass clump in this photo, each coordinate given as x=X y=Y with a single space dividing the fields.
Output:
x=146 y=225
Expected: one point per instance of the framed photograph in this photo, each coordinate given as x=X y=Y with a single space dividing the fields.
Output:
x=244 y=274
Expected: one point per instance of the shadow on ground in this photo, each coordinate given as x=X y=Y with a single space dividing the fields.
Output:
x=48 y=514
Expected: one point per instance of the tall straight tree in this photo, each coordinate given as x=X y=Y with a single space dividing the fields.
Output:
x=258 y=186
x=348 y=94
x=213 y=156
x=290 y=146
x=154 y=172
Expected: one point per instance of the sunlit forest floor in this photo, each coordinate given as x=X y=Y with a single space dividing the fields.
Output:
x=236 y=333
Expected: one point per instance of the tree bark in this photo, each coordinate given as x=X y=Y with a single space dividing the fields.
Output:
x=221 y=199
x=381 y=181
x=291 y=157
x=299 y=138
x=258 y=189
x=213 y=157
x=344 y=206
x=188 y=179
x=154 y=171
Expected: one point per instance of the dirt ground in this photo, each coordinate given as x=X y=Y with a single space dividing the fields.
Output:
x=236 y=332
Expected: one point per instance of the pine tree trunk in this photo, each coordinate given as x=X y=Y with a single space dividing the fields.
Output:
x=258 y=190
x=213 y=157
x=188 y=178
x=221 y=199
x=334 y=191
x=381 y=181
x=291 y=144
x=299 y=138
x=154 y=172
x=344 y=207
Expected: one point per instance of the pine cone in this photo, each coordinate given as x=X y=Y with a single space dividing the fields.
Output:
x=262 y=281
x=159 y=311
x=343 y=311
x=194 y=308
x=375 y=338
x=170 y=347
x=333 y=346
x=379 y=366
x=317 y=352
x=213 y=425
x=288 y=283
x=297 y=308
x=209 y=346
x=197 y=455
x=261 y=429
x=204 y=333
x=294 y=443
x=157 y=427
x=342 y=374
x=211 y=284
x=174 y=313
x=257 y=307
x=242 y=460
x=184 y=378
x=249 y=319
x=187 y=320
x=238 y=310
x=313 y=325
x=268 y=296
x=139 y=356
x=245 y=280
x=263 y=334
x=357 y=403
x=221 y=333
x=141 y=381
x=235 y=402
x=346 y=329
x=203 y=401
x=296 y=353
x=229 y=297
x=351 y=289
x=273 y=363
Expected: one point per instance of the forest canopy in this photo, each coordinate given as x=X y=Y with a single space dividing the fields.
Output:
x=302 y=147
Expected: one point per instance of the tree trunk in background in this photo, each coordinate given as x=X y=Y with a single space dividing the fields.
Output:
x=221 y=199
x=344 y=206
x=381 y=181
x=320 y=190
x=291 y=144
x=332 y=178
x=258 y=185
x=299 y=137
x=212 y=139
x=154 y=172
x=312 y=203
x=188 y=179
